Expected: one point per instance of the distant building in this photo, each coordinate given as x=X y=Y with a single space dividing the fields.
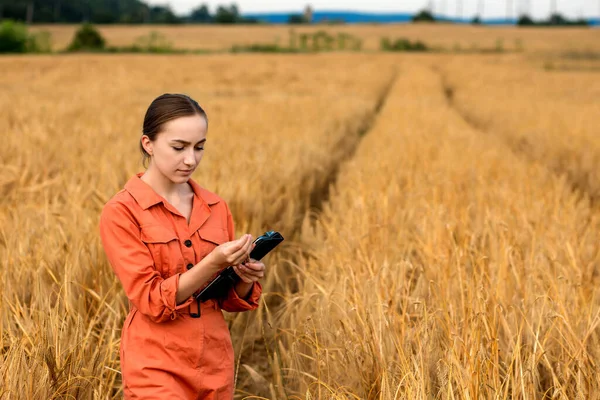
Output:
x=308 y=14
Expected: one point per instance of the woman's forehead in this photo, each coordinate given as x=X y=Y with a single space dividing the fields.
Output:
x=191 y=129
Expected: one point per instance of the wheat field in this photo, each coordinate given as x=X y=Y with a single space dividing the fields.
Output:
x=440 y=211
x=465 y=37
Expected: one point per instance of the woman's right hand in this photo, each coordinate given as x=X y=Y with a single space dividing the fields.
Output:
x=231 y=253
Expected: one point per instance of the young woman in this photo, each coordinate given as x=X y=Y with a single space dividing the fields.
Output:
x=166 y=237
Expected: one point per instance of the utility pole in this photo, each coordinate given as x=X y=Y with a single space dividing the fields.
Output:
x=552 y=7
x=459 y=9
x=509 y=8
x=480 y=9
x=56 y=10
x=30 y=9
x=85 y=11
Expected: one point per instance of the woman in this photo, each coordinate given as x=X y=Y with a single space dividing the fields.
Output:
x=166 y=238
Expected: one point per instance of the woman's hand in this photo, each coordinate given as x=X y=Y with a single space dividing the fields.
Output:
x=231 y=253
x=250 y=271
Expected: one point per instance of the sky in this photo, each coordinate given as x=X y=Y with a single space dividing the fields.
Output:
x=491 y=8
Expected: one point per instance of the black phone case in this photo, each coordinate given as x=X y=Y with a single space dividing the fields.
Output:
x=219 y=286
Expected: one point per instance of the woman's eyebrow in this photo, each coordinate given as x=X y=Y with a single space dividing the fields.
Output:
x=185 y=142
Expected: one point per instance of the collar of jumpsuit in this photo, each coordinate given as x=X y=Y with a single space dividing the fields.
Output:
x=146 y=197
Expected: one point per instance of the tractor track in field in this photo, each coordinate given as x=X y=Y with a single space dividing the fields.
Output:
x=524 y=148
x=320 y=195
x=318 y=198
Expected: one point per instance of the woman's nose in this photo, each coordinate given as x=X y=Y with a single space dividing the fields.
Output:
x=190 y=158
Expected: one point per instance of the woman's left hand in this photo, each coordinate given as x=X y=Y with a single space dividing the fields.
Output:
x=250 y=271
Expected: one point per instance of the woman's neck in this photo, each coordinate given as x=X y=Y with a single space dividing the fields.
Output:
x=164 y=186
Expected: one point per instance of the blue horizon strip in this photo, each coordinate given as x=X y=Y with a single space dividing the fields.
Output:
x=356 y=17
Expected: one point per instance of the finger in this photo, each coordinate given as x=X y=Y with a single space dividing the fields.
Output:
x=239 y=256
x=239 y=244
x=249 y=247
x=255 y=276
x=237 y=269
x=244 y=277
x=255 y=266
x=236 y=245
x=244 y=240
x=252 y=273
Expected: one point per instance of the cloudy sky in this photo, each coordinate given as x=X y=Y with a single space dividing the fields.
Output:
x=492 y=8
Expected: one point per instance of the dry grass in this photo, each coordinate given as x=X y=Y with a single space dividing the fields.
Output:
x=552 y=117
x=277 y=131
x=445 y=266
x=448 y=262
x=447 y=36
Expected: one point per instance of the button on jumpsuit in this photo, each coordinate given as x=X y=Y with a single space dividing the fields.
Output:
x=169 y=350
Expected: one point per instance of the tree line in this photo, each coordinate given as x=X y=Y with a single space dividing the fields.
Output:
x=112 y=11
x=556 y=19
x=139 y=12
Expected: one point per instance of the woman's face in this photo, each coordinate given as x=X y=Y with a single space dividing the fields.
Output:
x=178 y=148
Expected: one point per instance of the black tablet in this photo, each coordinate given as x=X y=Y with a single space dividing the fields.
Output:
x=226 y=278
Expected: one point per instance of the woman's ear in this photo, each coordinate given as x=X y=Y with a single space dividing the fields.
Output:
x=147 y=144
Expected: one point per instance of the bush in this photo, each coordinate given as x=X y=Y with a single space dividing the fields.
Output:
x=40 y=42
x=87 y=38
x=261 y=48
x=306 y=42
x=14 y=38
x=323 y=41
x=402 y=45
x=155 y=42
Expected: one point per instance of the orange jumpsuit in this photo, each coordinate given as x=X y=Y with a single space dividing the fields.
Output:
x=169 y=350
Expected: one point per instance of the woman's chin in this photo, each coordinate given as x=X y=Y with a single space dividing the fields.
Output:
x=181 y=176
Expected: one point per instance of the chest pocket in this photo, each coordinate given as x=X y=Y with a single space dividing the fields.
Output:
x=211 y=237
x=163 y=245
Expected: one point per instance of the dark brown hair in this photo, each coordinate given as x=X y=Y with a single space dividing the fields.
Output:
x=165 y=108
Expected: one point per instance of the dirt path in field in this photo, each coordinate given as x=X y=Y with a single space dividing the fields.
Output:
x=264 y=347
x=524 y=148
x=320 y=195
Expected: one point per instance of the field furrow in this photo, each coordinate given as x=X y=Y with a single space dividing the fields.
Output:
x=444 y=265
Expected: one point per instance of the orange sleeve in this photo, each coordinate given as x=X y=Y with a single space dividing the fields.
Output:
x=133 y=264
x=233 y=302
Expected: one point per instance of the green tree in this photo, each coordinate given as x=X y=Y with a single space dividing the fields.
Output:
x=163 y=15
x=87 y=38
x=423 y=16
x=76 y=11
x=525 y=20
x=201 y=15
x=227 y=15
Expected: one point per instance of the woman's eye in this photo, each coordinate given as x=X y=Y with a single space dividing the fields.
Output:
x=178 y=148
x=199 y=148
